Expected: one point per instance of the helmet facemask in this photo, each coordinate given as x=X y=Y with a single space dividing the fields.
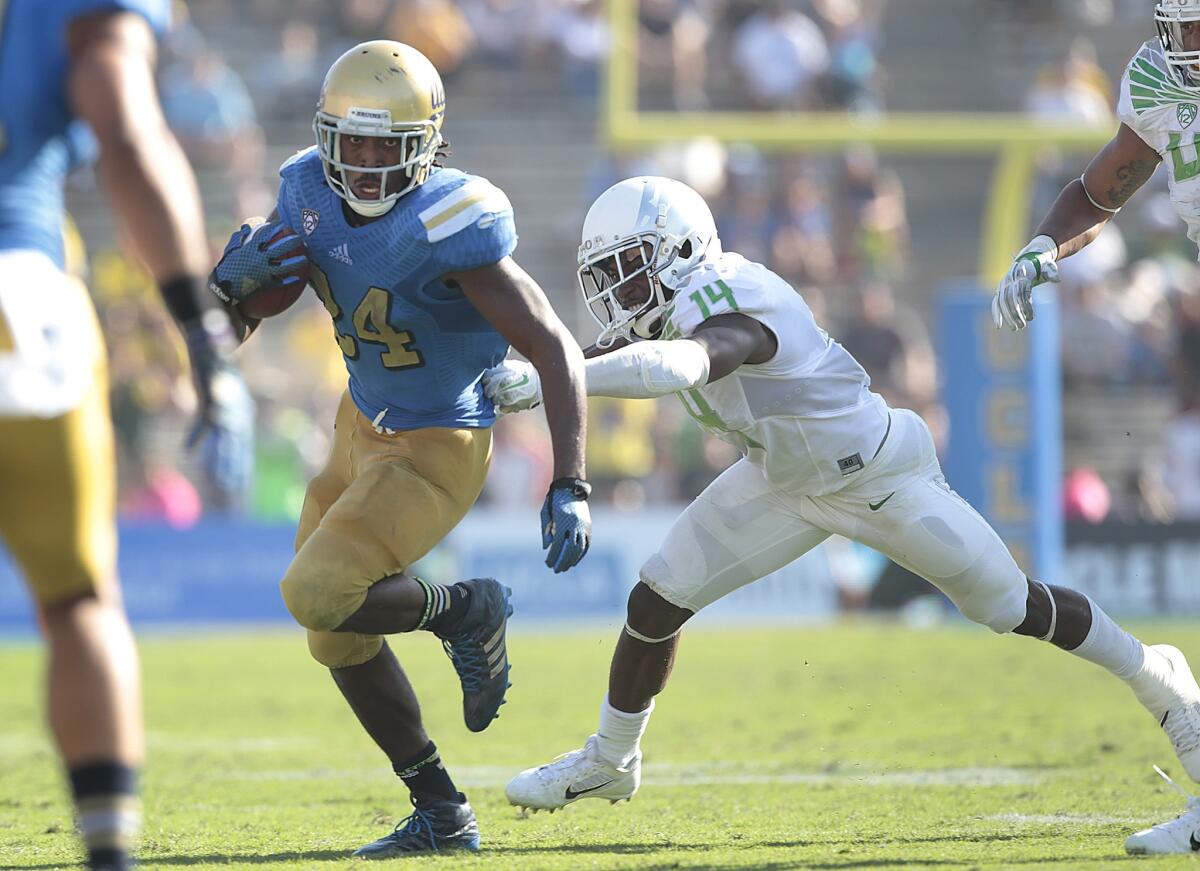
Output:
x=1170 y=17
x=418 y=145
x=603 y=273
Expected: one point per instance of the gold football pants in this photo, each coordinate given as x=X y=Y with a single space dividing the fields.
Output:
x=58 y=496
x=380 y=504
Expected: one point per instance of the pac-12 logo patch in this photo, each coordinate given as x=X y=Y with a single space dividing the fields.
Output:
x=1186 y=113
x=309 y=218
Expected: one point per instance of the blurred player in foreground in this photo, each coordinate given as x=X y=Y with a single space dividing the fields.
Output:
x=413 y=262
x=1158 y=104
x=821 y=454
x=61 y=63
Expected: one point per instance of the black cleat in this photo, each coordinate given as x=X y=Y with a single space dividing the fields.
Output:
x=477 y=648
x=444 y=825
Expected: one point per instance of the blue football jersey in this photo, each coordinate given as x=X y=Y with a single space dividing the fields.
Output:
x=415 y=347
x=40 y=141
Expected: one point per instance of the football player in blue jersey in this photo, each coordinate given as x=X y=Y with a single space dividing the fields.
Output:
x=76 y=73
x=413 y=262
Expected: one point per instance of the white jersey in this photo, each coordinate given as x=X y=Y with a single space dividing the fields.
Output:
x=807 y=417
x=1164 y=115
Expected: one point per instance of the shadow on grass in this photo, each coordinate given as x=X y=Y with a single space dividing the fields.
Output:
x=209 y=858
x=658 y=849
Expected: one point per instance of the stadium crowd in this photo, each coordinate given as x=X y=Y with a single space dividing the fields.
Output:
x=836 y=227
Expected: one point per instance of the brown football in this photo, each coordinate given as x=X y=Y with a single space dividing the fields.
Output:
x=271 y=299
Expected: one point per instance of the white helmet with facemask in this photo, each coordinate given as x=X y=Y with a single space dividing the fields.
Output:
x=651 y=226
x=1170 y=16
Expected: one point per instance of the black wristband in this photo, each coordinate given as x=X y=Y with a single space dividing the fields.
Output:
x=579 y=488
x=184 y=297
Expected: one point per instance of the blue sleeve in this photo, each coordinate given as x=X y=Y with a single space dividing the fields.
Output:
x=492 y=238
x=283 y=203
x=156 y=12
x=289 y=172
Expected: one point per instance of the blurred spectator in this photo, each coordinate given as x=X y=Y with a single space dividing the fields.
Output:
x=209 y=109
x=1095 y=338
x=362 y=19
x=436 y=28
x=501 y=29
x=1085 y=496
x=161 y=493
x=779 y=54
x=747 y=225
x=620 y=445
x=522 y=463
x=1075 y=89
x=1144 y=497
x=889 y=341
x=851 y=81
x=802 y=247
x=288 y=80
x=578 y=29
x=1181 y=458
x=873 y=222
x=672 y=37
x=1187 y=350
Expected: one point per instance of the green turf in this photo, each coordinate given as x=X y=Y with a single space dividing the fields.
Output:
x=862 y=745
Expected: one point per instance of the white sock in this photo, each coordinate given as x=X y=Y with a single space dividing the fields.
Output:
x=1110 y=646
x=620 y=733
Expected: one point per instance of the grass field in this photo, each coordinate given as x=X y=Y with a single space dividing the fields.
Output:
x=862 y=745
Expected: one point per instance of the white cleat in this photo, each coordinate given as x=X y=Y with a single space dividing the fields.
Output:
x=572 y=776
x=1173 y=697
x=1180 y=835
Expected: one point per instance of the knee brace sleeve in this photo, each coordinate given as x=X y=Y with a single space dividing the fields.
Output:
x=343 y=649
x=1055 y=614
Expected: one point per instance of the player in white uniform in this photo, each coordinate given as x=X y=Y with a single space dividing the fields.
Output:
x=1158 y=107
x=822 y=455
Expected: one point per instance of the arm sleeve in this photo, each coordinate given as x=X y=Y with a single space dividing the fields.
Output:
x=648 y=369
x=471 y=227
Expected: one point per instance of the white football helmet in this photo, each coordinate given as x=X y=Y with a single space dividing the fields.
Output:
x=1170 y=16
x=672 y=231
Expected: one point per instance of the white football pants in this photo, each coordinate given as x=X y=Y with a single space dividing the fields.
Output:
x=741 y=528
x=49 y=338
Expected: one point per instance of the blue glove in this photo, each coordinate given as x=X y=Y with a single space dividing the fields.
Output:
x=566 y=523
x=224 y=426
x=249 y=263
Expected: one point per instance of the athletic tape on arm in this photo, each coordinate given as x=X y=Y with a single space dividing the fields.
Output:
x=644 y=370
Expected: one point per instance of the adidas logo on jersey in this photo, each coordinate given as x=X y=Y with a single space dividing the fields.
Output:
x=342 y=254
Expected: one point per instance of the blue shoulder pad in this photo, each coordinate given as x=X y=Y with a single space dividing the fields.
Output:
x=295 y=160
x=470 y=225
x=292 y=183
x=156 y=12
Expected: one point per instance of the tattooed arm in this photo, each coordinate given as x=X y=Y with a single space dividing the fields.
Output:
x=1080 y=213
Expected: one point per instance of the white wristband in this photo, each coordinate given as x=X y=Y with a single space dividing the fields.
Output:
x=644 y=370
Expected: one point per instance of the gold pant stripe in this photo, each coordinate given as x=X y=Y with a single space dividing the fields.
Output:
x=58 y=513
x=380 y=504
x=7 y=342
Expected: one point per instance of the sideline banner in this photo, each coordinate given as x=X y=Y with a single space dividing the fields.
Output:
x=1003 y=395
x=228 y=571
